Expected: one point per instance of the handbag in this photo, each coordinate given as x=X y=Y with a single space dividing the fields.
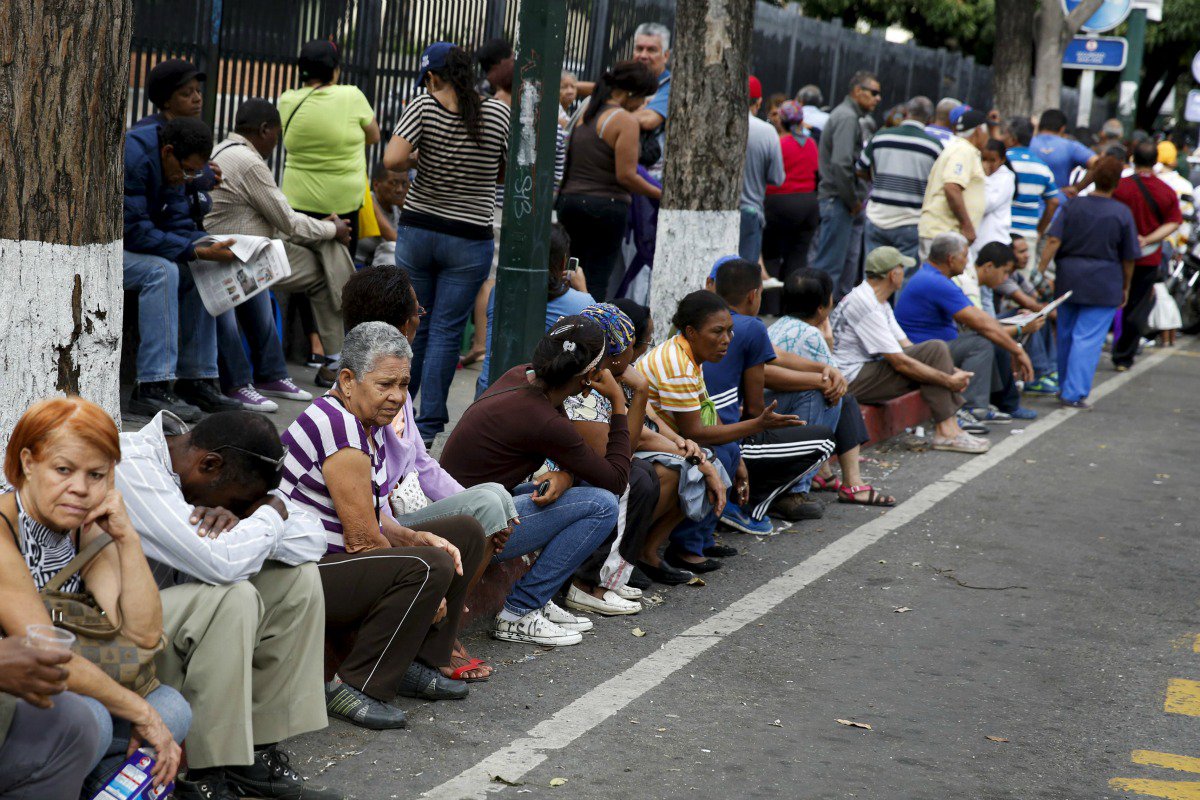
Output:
x=97 y=637
x=408 y=496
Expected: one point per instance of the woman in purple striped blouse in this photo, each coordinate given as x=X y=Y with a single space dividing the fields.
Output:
x=400 y=590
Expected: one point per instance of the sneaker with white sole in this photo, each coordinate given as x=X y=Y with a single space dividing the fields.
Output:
x=968 y=422
x=963 y=443
x=612 y=605
x=251 y=400
x=283 y=388
x=628 y=592
x=991 y=416
x=565 y=619
x=533 y=628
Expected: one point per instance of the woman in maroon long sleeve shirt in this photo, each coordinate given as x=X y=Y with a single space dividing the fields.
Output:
x=506 y=436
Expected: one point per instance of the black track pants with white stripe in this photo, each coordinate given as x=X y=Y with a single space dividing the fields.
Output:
x=777 y=459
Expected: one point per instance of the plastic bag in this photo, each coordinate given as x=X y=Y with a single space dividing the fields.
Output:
x=1165 y=315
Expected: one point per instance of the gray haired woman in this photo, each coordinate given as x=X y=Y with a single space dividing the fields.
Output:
x=399 y=591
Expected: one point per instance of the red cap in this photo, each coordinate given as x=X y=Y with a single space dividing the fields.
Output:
x=755 y=88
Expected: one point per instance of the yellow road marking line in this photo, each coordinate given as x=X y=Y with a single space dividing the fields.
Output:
x=1153 y=758
x=1171 y=790
x=1183 y=697
x=1196 y=644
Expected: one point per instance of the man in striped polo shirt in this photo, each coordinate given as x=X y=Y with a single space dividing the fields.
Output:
x=1037 y=194
x=897 y=161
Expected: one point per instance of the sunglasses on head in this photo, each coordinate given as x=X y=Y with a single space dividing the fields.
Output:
x=276 y=463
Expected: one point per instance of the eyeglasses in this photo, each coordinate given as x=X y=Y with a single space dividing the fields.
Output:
x=870 y=91
x=277 y=463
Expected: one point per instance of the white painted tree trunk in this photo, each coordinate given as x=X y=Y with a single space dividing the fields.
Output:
x=706 y=148
x=64 y=79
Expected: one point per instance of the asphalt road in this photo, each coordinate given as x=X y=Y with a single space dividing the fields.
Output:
x=1052 y=605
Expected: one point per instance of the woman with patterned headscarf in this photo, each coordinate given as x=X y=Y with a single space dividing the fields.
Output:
x=791 y=208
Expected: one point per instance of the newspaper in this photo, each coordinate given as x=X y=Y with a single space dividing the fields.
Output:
x=1030 y=316
x=260 y=262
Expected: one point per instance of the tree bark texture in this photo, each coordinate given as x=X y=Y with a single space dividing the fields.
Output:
x=1012 y=62
x=1054 y=30
x=705 y=148
x=64 y=68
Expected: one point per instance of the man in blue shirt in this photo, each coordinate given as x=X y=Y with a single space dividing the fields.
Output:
x=932 y=306
x=779 y=457
x=1061 y=154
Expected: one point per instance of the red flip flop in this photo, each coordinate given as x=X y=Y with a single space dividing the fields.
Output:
x=472 y=664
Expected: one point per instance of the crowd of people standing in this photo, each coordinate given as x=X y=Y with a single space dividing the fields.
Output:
x=263 y=583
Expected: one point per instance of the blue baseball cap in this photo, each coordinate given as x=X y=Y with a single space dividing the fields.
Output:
x=957 y=113
x=722 y=260
x=433 y=59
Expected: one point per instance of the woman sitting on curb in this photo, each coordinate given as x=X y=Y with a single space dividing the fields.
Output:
x=507 y=434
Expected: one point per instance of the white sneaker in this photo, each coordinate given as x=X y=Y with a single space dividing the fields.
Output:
x=534 y=628
x=565 y=619
x=629 y=592
x=771 y=283
x=611 y=606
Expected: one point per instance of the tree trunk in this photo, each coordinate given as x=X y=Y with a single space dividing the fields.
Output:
x=1054 y=30
x=1012 y=62
x=64 y=78
x=705 y=149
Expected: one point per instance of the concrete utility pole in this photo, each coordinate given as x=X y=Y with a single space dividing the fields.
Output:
x=705 y=149
x=520 y=316
x=64 y=79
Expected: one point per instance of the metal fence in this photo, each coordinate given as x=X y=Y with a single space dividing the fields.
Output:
x=248 y=48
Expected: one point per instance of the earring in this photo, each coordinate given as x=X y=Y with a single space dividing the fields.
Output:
x=587 y=384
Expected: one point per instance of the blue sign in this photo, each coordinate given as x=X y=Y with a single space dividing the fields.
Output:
x=1104 y=53
x=1110 y=14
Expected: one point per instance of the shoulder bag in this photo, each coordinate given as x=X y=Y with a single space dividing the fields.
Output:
x=97 y=637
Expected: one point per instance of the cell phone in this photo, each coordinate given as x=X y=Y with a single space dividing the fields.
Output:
x=572 y=265
x=542 y=489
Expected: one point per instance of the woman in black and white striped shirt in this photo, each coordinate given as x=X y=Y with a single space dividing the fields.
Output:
x=445 y=237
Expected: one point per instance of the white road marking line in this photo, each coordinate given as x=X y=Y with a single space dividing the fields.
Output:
x=523 y=755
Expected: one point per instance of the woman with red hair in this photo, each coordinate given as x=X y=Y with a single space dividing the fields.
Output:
x=60 y=460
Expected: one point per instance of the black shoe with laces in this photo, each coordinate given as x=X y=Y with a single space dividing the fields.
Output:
x=271 y=776
x=210 y=786
x=147 y=399
x=205 y=395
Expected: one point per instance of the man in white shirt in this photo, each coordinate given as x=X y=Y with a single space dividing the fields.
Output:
x=880 y=362
x=243 y=606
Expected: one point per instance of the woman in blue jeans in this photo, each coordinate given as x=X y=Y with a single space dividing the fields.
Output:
x=506 y=436
x=444 y=239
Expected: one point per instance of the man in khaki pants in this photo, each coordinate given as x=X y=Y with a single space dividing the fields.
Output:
x=243 y=608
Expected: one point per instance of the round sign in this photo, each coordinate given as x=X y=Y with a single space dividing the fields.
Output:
x=1110 y=14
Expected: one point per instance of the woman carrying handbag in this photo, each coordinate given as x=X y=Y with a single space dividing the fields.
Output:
x=61 y=459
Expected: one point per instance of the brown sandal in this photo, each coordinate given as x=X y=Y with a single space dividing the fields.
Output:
x=847 y=495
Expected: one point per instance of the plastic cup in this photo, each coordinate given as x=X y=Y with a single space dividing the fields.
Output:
x=48 y=637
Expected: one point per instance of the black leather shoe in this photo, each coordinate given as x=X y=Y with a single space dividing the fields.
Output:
x=271 y=776
x=210 y=787
x=795 y=506
x=638 y=579
x=707 y=565
x=427 y=683
x=665 y=573
x=204 y=395
x=346 y=702
x=720 y=551
x=326 y=376
x=147 y=399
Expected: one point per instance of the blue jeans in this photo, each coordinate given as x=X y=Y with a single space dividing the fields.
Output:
x=446 y=272
x=157 y=283
x=1041 y=349
x=750 y=236
x=114 y=733
x=567 y=531
x=257 y=320
x=903 y=238
x=811 y=407
x=833 y=240
x=1081 y=332
x=692 y=536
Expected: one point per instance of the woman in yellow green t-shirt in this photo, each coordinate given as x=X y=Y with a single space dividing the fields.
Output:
x=326 y=128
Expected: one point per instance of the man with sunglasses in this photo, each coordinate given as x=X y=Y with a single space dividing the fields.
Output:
x=178 y=336
x=243 y=607
x=841 y=193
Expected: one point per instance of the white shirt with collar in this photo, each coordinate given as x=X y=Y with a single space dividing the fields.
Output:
x=154 y=500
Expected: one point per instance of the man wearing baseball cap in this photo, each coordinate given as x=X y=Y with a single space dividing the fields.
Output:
x=954 y=194
x=764 y=165
x=875 y=356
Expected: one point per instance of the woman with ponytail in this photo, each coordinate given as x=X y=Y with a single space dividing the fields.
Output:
x=445 y=240
x=601 y=171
